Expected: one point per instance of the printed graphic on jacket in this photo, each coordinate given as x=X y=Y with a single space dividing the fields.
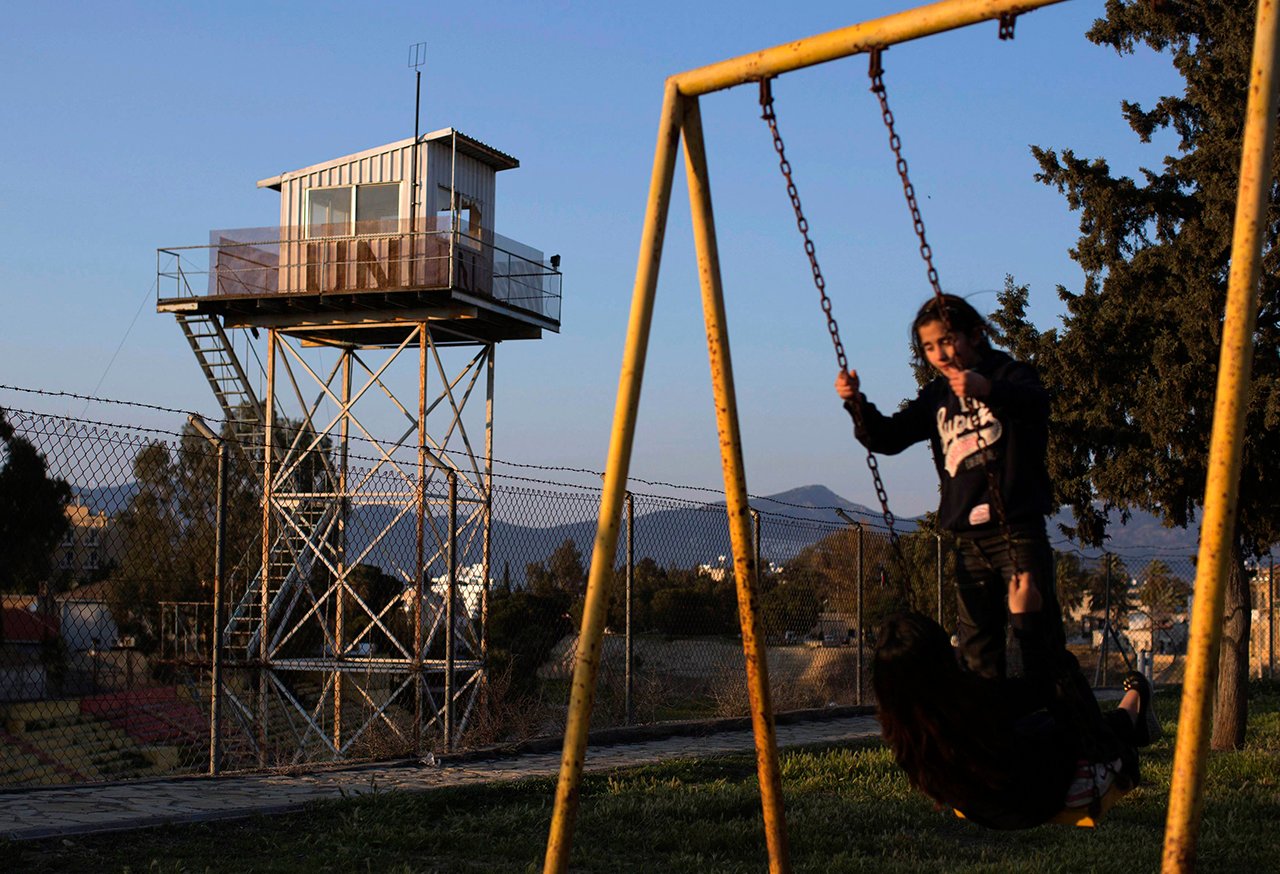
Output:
x=959 y=431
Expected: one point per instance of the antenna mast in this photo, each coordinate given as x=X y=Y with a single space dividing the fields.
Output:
x=417 y=59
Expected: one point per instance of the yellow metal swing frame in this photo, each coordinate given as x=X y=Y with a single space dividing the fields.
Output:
x=681 y=120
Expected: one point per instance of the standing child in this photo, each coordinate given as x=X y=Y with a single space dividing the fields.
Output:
x=986 y=417
x=979 y=390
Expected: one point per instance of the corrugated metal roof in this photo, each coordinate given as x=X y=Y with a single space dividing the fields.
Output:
x=466 y=145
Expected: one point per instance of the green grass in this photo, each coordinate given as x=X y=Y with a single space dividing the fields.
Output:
x=848 y=810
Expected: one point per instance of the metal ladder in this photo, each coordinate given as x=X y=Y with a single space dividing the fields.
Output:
x=242 y=409
x=291 y=556
x=217 y=358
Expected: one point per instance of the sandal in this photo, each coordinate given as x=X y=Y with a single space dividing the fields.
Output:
x=1147 y=727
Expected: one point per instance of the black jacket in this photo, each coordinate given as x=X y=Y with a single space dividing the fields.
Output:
x=1014 y=420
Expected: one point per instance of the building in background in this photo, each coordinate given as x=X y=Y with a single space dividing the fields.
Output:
x=1262 y=642
x=88 y=550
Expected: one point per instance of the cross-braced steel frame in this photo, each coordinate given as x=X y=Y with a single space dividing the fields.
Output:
x=338 y=672
x=681 y=119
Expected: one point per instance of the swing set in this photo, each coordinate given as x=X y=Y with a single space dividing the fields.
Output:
x=681 y=122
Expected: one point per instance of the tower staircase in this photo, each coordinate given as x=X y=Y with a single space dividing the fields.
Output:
x=294 y=550
x=294 y=553
x=231 y=386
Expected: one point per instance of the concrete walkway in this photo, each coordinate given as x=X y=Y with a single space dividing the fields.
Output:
x=27 y=814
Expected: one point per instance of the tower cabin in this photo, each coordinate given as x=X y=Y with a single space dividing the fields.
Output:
x=370 y=244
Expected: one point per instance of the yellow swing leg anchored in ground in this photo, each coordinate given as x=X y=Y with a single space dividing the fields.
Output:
x=1186 y=794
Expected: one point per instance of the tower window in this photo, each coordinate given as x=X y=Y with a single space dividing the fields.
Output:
x=353 y=209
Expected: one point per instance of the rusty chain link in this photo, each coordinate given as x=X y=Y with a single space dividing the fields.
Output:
x=969 y=405
x=876 y=72
x=802 y=224
x=1007 y=22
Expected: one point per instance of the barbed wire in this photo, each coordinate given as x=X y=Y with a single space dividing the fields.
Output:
x=81 y=397
x=90 y=423
x=361 y=439
x=555 y=487
x=22 y=416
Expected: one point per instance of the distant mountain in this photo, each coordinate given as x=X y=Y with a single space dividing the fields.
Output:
x=816 y=503
x=105 y=499
x=1142 y=532
x=683 y=535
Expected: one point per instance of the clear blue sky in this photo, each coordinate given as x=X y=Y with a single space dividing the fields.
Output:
x=131 y=126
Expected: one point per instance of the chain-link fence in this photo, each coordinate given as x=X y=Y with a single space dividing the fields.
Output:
x=85 y=692
x=389 y=611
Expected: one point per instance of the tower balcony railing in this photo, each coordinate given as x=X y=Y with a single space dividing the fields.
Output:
x=378 y=257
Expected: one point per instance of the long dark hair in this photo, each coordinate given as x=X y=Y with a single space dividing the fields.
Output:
x=961 y=316
x=945 y=727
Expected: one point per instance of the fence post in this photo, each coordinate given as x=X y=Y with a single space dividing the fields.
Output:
x=219 y=570
x=262 y=721
x=419 y=565
x=755 y=539
x=1106 y=614
x=755 y=555
x=1271 y=616
x=858 y=659
x=938 y=562
x=450 y=631
x=219 y=573
x=631 y=566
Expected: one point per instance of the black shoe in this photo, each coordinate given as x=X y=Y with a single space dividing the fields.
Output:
x=1147 y=727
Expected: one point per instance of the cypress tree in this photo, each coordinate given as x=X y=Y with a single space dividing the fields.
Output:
x=1134 y=367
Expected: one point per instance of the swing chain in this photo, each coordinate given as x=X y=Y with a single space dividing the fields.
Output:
x=802 y=224
x=969 y=405
x=895 y=143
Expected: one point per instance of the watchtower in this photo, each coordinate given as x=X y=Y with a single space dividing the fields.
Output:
x=348 y=612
